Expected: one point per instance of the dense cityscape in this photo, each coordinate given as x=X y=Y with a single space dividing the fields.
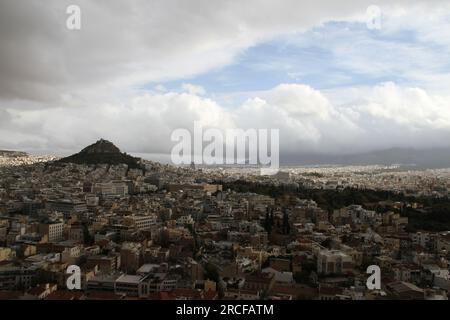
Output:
x=224 y=159
x=145 y=230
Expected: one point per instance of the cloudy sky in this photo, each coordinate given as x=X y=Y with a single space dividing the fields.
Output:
x=139 y=69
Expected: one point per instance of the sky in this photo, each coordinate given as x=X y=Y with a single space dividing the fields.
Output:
x=138 y=70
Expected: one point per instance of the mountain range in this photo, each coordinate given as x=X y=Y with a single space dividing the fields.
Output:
x=426 y=158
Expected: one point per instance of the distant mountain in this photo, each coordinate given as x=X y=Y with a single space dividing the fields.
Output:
x=426 y=158
x=12 y=154
x=429 y=158
x=102 y=152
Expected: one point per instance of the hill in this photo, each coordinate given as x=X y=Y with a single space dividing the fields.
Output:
x=102 y=152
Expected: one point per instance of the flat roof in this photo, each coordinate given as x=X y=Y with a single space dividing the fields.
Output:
x=126 y=278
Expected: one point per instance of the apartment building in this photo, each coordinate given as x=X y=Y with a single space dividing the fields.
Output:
x=54 y=231
x=334 y=262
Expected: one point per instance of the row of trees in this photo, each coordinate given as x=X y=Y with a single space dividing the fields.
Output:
x=434 y=217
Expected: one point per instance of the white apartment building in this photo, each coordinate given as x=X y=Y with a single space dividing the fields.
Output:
x=54 y=231
x=334 y=262
x=111 y=189
x=183 y=220
x=422 y=239
x=141 y=222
